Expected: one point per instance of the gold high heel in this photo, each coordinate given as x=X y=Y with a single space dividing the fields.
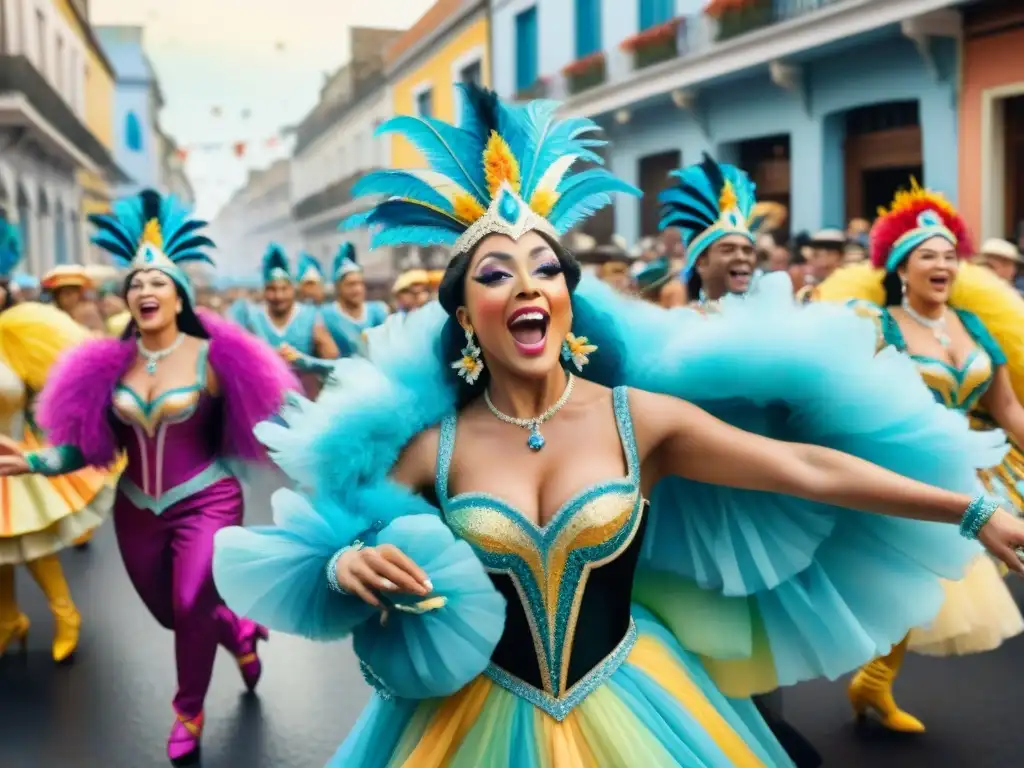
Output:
x=67 y=622
x=871 y=690
x=15 y=632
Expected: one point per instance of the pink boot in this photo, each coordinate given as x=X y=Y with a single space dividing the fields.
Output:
x=249 y=663
x=183 y=743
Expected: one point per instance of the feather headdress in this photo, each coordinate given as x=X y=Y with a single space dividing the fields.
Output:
x=345 y=261
x=309 y=270
x=10 y=246
x=153 y=231
x=708 y=202
x=916 y=215
x=505 y=169
x=275 y=264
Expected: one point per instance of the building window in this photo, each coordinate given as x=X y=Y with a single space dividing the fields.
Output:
x=133 y=133
x=655 y=12
x=527 y=69
x=425 y=103
x=473 y=73
x=41 y=40
x=588 y=27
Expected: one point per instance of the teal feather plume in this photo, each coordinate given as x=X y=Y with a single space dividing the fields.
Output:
x=693 y=202
x=274 y=258
x=420 y=206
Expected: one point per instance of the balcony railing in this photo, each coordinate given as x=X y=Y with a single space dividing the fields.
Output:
x=681 y=37
x=585 y=73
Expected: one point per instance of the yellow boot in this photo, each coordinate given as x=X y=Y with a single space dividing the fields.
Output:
x=50 y=577
x=13 y=623
x=871 y=689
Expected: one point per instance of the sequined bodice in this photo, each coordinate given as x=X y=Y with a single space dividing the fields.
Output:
x=567 y=583
x=171 y=438
x=959 y=388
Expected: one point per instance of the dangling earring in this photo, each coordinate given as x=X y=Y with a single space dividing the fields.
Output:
x=576 y=350
x=903 y=285
x=471 y=364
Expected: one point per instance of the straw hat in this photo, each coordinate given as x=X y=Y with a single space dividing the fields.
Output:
x=66 y=276
x=994 y=247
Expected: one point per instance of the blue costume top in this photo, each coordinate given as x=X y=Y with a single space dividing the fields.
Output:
x=297 y=332
x=348 y=332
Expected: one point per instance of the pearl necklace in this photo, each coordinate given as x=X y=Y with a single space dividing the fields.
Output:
x=937 y=326
x=536 y=440
x=154 y=357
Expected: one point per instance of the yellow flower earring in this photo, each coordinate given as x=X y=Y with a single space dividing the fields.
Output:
x=471 y=364
x=577 y=350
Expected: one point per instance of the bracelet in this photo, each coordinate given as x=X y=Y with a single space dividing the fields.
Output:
x=978 y=512
x=332 y=567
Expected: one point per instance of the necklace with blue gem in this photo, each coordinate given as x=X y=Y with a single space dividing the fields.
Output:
x=153 y=357
x=936 y=325
x=536 y=440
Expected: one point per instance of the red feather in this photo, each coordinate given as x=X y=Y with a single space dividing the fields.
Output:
x=891 y=225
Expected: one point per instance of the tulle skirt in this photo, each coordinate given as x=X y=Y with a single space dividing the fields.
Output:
x=978 y=614
x=658 y=710
x=40 y=516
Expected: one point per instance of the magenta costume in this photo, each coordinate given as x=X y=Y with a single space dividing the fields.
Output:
x=177 y=491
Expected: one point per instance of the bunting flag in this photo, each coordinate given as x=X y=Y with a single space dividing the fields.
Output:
x=237 y=147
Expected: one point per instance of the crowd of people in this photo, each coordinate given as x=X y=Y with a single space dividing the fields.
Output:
x=573 y=507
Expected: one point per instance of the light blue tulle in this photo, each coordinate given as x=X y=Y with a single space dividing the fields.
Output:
x=436 y=653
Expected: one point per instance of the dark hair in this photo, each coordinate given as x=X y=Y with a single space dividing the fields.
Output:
x=452 y=294
x=893 y=289
x=694 y=285
x=9 y=299
x=188 y=321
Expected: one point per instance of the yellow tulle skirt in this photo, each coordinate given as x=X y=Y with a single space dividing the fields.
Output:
x=978 y=615
x=40 y=516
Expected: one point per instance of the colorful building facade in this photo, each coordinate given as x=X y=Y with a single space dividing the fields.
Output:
x=992 y=119
x=446 y=46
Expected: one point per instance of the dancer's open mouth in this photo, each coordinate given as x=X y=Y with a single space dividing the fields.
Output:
x=529 y=329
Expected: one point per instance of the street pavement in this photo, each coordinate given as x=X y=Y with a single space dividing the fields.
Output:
x=111 y=708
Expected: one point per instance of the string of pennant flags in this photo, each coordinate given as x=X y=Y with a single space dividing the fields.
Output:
x=238 y=147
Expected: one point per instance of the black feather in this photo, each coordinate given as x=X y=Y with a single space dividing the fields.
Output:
x=112 y=226
x=714 y=174
x=151 y=201
x=484 y=103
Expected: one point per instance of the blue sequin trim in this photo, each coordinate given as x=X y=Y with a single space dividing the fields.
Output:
x=977 y=514
x=560 y=707
x=375 y=682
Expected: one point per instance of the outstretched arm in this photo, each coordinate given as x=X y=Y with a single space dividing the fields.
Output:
x=678 y=438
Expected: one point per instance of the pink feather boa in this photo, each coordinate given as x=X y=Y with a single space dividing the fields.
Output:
x=74 y=407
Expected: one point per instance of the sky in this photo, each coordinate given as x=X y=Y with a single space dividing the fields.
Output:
x=258 y=63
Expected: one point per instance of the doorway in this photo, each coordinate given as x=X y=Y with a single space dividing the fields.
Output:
x=882 y=151
x=1013 y=182
x=880 y=185
x=654 y=177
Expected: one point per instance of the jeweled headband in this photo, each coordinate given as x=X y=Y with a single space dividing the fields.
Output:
x=708 y=202
x=152 y=231
x=505 y=169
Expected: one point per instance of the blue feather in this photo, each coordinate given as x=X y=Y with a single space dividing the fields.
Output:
x=10 y=246
x=406 y=234
x=274 y=258
x=448 y=150
x=399 y=184
x=585 y=199
x=173 y=240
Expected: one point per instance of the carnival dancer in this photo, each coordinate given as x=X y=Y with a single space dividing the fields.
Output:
x=351 y=315
x=659 y=284
x=295 y=330
x=180 y=395
x=721 y=267
x=310 y=277
x=516 y=644
x=39 y=516
x=924 y=301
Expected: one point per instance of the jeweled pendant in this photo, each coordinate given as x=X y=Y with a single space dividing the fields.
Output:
x=536 y=440
x=151 y=367
x=944 y=340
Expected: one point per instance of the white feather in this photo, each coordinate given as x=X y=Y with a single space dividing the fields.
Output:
x=443 y=185
x=553 y=175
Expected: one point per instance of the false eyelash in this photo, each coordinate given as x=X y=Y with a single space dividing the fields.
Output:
x=550 y=270
x=490 y=278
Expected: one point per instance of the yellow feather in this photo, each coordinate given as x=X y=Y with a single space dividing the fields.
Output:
x=500 y=165
x=908 y=198
x=466 y=208
x=151 y=234
x=543 y=201
x=727 y=200
x=33 y=336
x=857 y=281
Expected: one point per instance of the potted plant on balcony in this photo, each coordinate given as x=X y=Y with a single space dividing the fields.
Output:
x=655 y=44
x=737 y=17
x=537 y=90
x=585 y=73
